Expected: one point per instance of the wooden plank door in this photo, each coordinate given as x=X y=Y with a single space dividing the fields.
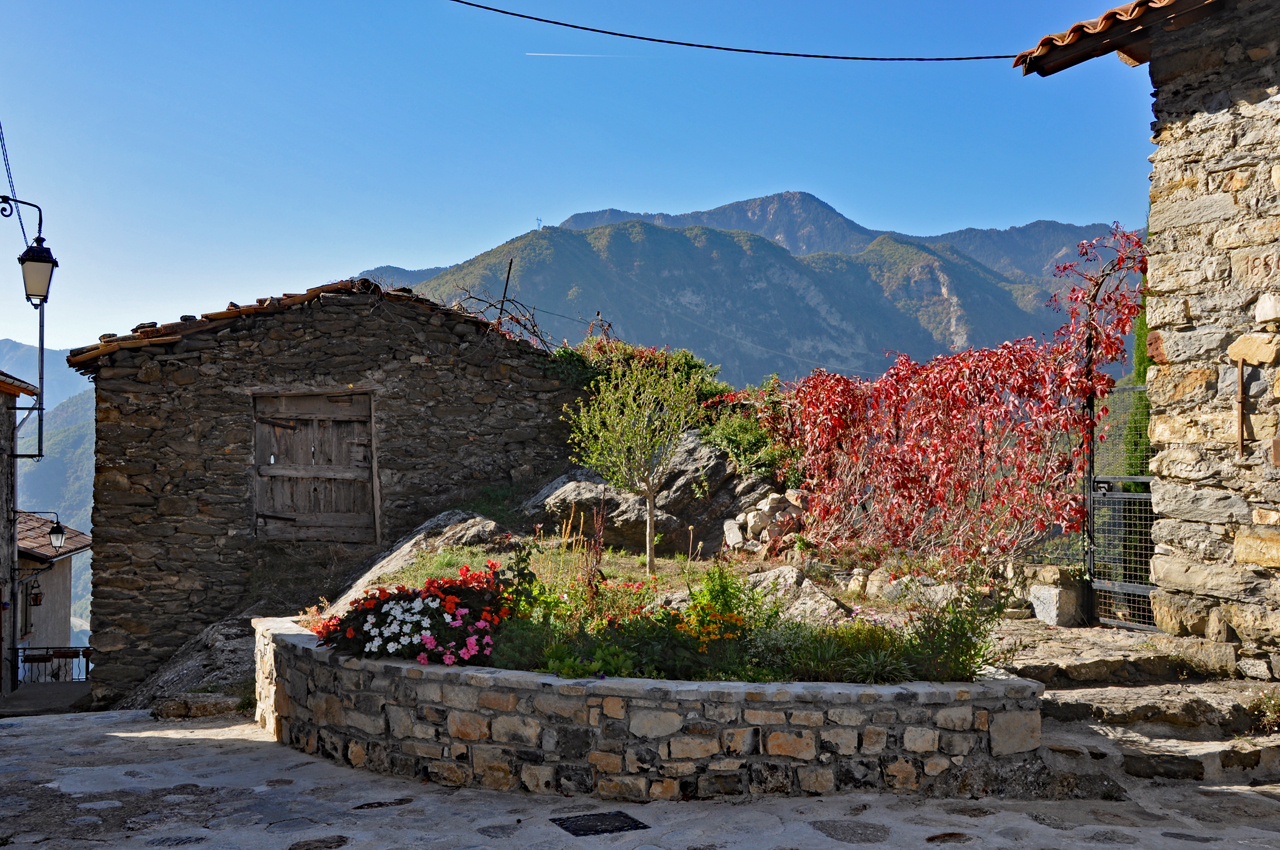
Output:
x=313 y=463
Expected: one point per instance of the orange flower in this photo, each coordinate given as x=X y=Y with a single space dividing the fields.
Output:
x=351 y=632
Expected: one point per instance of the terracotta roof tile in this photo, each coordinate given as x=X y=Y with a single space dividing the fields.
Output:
x=33 y=538
x=85 y=359
x=9 y=385
x=1109 y=32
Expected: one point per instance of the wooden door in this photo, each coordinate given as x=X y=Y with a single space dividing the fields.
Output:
x=314 y=465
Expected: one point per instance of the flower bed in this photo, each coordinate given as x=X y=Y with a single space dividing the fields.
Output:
x=641 y=739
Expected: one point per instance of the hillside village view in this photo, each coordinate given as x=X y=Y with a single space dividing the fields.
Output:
x=751 y=526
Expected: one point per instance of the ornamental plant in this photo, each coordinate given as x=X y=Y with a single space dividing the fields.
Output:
x=446 y=621
x=968 y=457
x=629 y=429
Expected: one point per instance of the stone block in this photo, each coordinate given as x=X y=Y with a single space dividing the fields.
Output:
x=1191 y=575
x=846 y=716
x=1180 y=614
x=874 y=739
x=694 y=747
x=664 y=789
x=634 y=788
x=770 y=778
x=1254 y=668
x=721 y=785
x=614 y=707
x=1172 y=384
x=793 y=744
x=452 y=773
x=1255 y=349
x=1059 y=605
x=1014 y=732
x=606 y=762
x=841 y=741
x=721 y=712
x=902 y=775
x=327 y=710
x=956 y=718
x=493 y=767
x=655 y=724
x=516 y=729
x=1258 y=545
x=957 y=743
x=539 y=778
x=370 y=724
x=764 y=718
x=1198 y=505
x=918 y=739
x=1205 y=656
x=807 y=718
x=1267 y=308
x=816 y=780
x=466 y=726
x=356 y=753
x=936 y=765
x=497 y=701
x=743 y=742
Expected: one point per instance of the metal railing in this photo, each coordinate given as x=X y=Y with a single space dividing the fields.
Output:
x=52 y=664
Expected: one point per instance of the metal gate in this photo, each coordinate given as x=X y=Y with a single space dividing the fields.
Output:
x=1118 y=545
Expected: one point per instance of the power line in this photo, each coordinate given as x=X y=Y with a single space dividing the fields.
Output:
x=735 y=49
x=13 y=193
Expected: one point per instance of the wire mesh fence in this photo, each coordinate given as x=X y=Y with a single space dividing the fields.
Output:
x=1119 y=566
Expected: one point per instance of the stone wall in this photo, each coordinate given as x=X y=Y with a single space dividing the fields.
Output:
x=639 y=739
x=455 y=407
x=1214 y=299
x=8 y=530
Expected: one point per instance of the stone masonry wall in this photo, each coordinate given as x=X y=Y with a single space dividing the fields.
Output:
x=8 y=532
x=1214 y=298
x=639 y=739
x=174 y=521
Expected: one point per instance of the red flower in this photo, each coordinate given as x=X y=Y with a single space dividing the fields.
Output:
x=351 y=632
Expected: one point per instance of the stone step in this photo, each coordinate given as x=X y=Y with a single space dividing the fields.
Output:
x=1206 y=711
x=1085 y=748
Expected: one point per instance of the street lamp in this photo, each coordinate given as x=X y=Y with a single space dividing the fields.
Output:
x=37 y=271
x=37 y=264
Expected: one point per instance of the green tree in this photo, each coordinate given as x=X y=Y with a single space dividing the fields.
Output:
x=628 y=429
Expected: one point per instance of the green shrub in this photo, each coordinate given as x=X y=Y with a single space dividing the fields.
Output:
x=1266 y=712
x=953 y=642
x=752 y=448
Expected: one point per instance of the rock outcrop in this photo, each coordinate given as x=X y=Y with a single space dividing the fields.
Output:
x=701 y=492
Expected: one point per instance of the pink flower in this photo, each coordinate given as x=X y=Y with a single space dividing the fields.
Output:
x=471 y=645
x=488 y=639
x=482 y=624
x=488 y=651
x=423 y=659
x=448 y=658
x=466 y=653
x=429 y=641
x=462 y=611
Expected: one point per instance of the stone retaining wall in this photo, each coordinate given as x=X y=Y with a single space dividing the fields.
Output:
x=639 y=739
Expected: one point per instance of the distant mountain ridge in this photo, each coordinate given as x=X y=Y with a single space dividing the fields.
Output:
x=746 y=302
x=805 y=224
x=394 y=277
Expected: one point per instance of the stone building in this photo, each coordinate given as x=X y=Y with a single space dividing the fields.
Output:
x=1213 y=302
x=11 y=389
x=45 y=572
x=294 y=433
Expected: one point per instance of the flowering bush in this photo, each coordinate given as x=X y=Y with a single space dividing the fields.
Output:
x=448 y=621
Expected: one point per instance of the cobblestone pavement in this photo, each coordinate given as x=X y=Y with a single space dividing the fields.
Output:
x=122 y=779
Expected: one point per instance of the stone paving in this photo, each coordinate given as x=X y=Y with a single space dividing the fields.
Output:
x=122 y=779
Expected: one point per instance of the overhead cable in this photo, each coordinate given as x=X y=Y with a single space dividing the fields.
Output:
x=13 y=193
x=734 y=49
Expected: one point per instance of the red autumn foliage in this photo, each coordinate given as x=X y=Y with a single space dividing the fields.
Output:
x=970 y=456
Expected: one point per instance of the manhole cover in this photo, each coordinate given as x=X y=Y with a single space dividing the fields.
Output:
x=599 y=824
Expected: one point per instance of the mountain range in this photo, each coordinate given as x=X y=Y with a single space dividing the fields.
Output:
x=781 y=284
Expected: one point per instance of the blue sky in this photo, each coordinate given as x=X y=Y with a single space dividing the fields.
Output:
x=190 y=154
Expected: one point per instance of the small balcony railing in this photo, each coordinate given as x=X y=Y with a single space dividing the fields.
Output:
x=52 y=664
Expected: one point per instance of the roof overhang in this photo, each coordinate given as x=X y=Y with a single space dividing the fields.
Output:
x=1125 y=31
x=9 y=385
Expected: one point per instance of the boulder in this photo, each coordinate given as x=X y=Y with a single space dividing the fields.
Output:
x=877 y=582
x=1058 y=605
x=702 y=490
x=733 y=538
